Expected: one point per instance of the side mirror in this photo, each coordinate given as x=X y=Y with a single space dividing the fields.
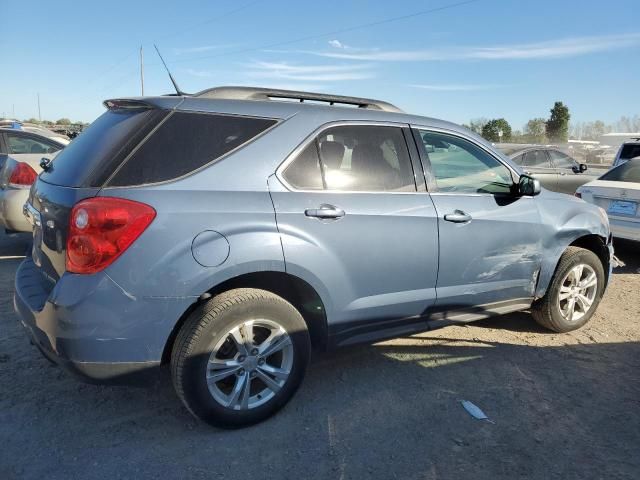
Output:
x=529 y=186
x=45 y=163
x=583 y=167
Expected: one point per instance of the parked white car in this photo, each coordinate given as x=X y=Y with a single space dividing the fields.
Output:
x=20 y=155
x=618 y=192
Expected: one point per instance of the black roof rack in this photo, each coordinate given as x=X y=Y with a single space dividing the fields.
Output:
x=254 y=93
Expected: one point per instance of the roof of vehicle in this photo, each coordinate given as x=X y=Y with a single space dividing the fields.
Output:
x=513 y=150
x=284 y=104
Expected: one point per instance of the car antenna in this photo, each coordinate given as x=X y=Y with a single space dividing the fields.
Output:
x=175 y=85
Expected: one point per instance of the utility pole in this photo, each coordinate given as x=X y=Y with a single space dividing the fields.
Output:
x=141 y=71
x=39 y=114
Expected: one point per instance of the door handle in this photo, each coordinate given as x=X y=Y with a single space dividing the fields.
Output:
x=325 y=211
x=457 y=216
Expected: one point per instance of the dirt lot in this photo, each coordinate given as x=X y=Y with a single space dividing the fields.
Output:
x=564 y=406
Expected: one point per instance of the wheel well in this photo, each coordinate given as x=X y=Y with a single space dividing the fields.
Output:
x=293 y=289
x=597 y=245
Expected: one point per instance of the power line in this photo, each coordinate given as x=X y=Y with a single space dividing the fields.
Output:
x=333 y=32
x=211 y=20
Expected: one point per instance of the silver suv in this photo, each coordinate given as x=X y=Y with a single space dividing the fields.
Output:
x=227 y=233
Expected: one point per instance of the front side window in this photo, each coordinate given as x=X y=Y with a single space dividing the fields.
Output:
x=459 y=165
x=536 y=158
x=23 y=144
x=561 y=160
x=356 y=158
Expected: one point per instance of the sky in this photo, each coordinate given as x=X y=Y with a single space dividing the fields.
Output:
x=450 y=59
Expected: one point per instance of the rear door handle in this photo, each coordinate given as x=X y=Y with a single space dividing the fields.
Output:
x=457 y=216
x=325 y=211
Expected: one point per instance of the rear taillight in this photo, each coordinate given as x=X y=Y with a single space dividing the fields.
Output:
x=101 y=229
x=22 y=176
x=577 y=194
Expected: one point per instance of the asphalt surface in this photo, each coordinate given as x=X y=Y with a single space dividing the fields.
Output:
x=562 y=406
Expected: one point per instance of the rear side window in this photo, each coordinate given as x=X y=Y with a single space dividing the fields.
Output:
x=304 y=173
x=355 y=158
x=186 y=142
x=536 y=158
x=25 y=144
x=93 y=156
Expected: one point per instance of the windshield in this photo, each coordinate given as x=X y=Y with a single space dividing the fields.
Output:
x=627 y=172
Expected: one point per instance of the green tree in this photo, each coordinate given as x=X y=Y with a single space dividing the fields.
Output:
x=558 y=123
x=536 y=130
x=63 y=121
x=491 y=130
x=32 y=120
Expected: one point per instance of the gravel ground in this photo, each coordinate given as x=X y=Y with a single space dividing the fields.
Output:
x=564 y=406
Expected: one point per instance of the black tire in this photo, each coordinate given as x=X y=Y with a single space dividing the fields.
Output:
x=210 y=323
x=546 y=311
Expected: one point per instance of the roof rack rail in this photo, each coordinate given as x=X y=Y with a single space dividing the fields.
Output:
x=254 y=93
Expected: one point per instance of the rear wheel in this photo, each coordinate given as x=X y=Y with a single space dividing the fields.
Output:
x=574 y=293
x=240 y=357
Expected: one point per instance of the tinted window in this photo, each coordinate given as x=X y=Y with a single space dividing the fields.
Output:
x=519 y=159
x=536 y=158
x=627 y=172
x=18 y=144
x=186 y=142
x=561 y=160
x=365 y=158
x=304 y=172
x=94 y=154
x=630 y=151
x=461 y=166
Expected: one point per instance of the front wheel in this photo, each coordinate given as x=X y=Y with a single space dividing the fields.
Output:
x=574 y=293
x=240 y=357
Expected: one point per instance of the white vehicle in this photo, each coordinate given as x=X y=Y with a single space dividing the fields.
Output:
x=627 y=151
x=618 y=192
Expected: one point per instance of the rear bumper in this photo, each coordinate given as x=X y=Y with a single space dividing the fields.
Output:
x=11 y=202
x=625 y=229
x=90 y=326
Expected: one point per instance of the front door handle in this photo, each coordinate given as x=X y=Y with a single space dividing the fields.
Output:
x=457 y=216
x=325 y=211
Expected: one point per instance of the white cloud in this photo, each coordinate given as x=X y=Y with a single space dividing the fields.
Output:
x=336 y=44
x=562 y=48
x=312 y=73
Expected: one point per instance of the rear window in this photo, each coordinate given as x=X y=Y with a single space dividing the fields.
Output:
x=627 y=172
x=630 y=151
x=186 y=142
x=93 y=156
